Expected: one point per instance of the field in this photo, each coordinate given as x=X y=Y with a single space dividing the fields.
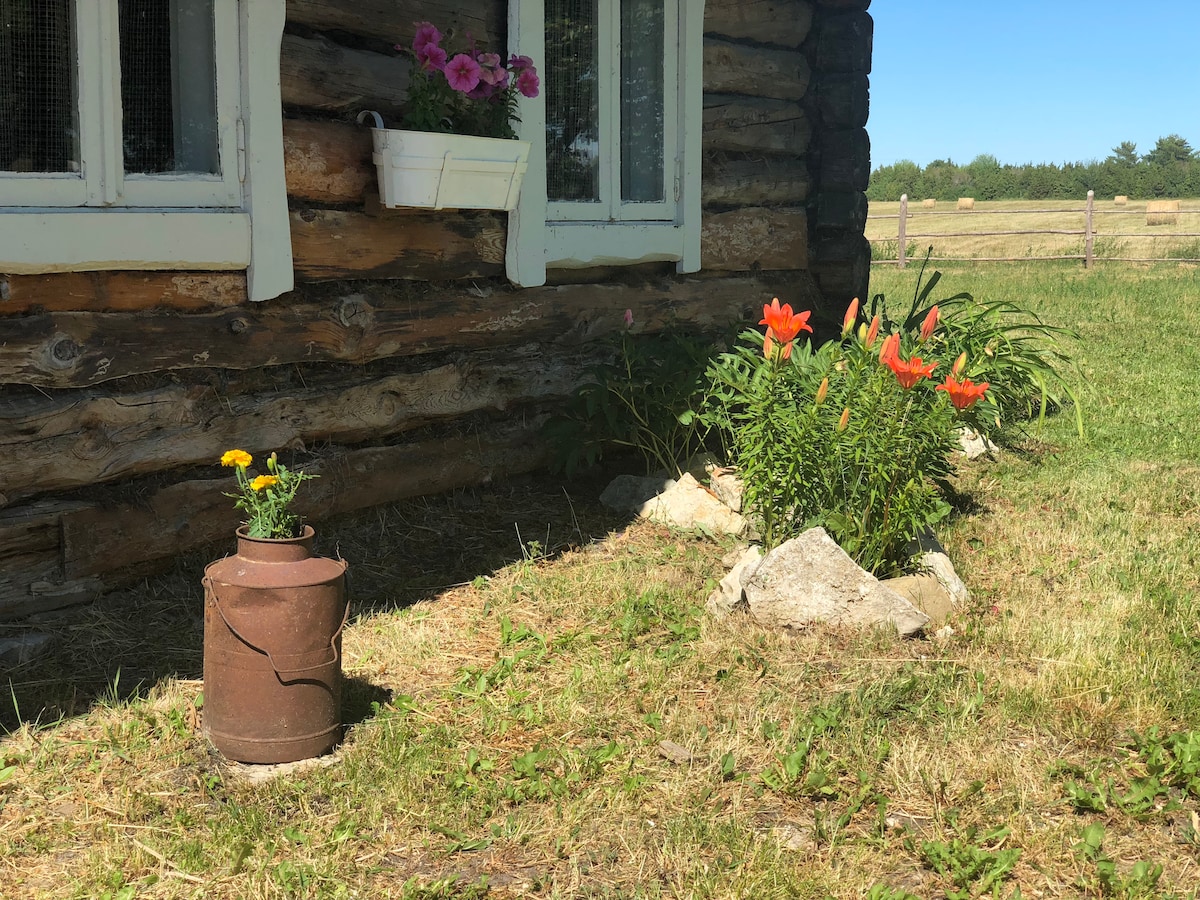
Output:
x=1157 y=241
x=559 y=718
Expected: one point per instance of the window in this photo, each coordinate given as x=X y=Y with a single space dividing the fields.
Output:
x=615 y=171
x=129 y=141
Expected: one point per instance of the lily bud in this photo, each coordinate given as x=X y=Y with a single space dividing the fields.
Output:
x=890 y=348
x=822 y=391
x=862 y=332
x=850 y=318
x=844 y=420
x=929 y=324
x=873 y=331
x=959 y=364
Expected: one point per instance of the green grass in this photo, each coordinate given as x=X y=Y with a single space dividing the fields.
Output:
x=1047 y=747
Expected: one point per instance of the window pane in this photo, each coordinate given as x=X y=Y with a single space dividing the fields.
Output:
x=642 y=87
x=572 y=100
x=38 y=106
x=168 y=86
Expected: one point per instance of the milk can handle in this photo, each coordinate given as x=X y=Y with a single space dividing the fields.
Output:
x=278 y=671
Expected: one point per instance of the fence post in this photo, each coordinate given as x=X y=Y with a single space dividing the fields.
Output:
x=902 y=240
x=1088 y=235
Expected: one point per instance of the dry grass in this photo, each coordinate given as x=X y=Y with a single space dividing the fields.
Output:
x=1162 y=212
x=1148 y=240
x=562 y=718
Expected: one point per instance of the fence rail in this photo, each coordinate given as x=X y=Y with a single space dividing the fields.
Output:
x=1088 y=232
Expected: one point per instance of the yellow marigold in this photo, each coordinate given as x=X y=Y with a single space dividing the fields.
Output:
x=239 y=458
x=262 y=482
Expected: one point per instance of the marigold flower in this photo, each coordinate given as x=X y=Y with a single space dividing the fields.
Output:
x=782 y=325
x=930 y=323
x=844 y=420
x=873 y=331
x=963 y=394
x=262 y=482
x=909 y=373
x=822 y=391
x=850 y=318
x=239 y=458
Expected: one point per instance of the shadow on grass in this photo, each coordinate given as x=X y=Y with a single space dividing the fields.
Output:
x=130 y=640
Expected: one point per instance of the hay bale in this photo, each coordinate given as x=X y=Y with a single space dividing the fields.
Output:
x=966 y=202
x=1162 y=212
x=1120 y=200
x=928 y=204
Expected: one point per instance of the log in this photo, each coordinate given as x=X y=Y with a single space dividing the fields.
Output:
x=117 y=291
x=754 y=125
x=392 y=20
x=101 y=542
x=356 y=324
x=428 y=246
x=327 y=162
x=844 y=43
x=841 y=264
x=754 y=71
x=845 y=160
x=316 y=73
x=102 y=435
x=754 y=182
x=843 y=100
x=785 y=23
x=845 y=210
x=842 y=5
x=754 y=239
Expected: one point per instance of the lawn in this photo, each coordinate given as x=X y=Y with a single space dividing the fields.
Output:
x=559 y=718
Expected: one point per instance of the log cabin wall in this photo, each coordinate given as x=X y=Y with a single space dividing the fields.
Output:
x=403 y=363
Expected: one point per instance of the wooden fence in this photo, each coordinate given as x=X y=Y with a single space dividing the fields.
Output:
x=1088 y=232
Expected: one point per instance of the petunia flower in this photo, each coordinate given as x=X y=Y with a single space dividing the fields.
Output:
x=782 y=325
x=239 y=458
x=528 y=82
x=431 y=57
x=520 y=62
x=963 y=394
x=462 y=73
x=427 y=33
x=909 y=373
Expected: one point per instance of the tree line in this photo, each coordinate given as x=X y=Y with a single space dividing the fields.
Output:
x=1171 y=169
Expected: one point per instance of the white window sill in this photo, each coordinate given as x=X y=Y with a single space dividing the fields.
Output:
x=575 y=245
x=34 y=241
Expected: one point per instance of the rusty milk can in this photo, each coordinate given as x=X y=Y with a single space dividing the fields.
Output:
x=273 y=619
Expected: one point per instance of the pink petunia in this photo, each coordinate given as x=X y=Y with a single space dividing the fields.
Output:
x=528 y=82
x=426 y=34
x=431 y=57
x=462 y=73
x=520 y=62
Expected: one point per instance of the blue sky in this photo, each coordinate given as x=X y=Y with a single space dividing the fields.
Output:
x=1052 y=81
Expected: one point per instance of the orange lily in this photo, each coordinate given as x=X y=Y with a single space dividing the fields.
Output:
x=963 y=394
x=890 y=348
x=849 y=319
x=909 y=373
x=782 y=325
x=930 y=323
x=873 y=331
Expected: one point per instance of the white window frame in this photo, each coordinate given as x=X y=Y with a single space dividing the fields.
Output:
x=103 y=219
x=543 y=235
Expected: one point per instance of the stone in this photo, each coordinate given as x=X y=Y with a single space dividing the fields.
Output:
x=926 y=593
x=674 y=752
x=23 y=649
x=630 y=492
x=726 y=486
x=729 y=594
x=974 y=445
x=810 y=579
x=939 y=565
x=686 y=504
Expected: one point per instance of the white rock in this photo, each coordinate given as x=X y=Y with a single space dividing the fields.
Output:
x=974 y=444
x=728 y=595
x=686 y=504
x=810 y=579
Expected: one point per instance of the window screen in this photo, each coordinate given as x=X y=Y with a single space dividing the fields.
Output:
x=642 y=98
x=168 y=86
x=38 y=104
x=572 y=100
